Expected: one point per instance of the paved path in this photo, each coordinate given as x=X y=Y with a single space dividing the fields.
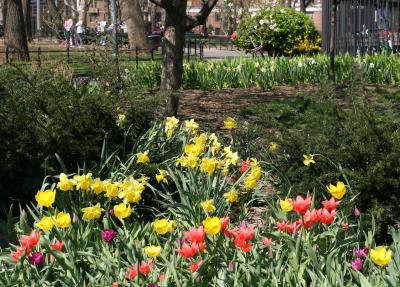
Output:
x=217 y=54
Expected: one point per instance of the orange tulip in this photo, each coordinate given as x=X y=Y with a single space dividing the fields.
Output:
x=195 y=235
x=301 y=205
x=331 y=204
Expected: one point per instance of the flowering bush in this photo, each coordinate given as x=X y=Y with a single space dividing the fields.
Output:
x=281 y=31
x=167 y=218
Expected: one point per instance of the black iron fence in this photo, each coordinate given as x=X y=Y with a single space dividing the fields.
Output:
x=363 y=26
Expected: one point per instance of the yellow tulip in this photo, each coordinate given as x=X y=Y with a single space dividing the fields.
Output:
x=63 y=220
x=162 y=226
x=46 y=223
x=286 y=205
x=381 y=256
x=212 y=225
x=337 y=191
x=92 y=212
x=143 y=157
x=45 y=197
x=122 y=210
x=153 y=251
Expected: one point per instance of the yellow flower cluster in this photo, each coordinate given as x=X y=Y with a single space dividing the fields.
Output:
x=171 y=124
x=191 y=126
x=61 y=220
x=252 y=179
x=131 y=189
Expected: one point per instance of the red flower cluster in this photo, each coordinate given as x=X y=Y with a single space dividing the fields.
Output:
x=325 y=215
x=144 y=269
x=28 y=242
x=242 y=236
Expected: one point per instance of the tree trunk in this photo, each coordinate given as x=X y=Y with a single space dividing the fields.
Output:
x=15 y=30
x=133 y=16
x=26 y=8
x=4 y=12
x=303 y=6
x=174 y=40
x=332 y=42
x=289 y=3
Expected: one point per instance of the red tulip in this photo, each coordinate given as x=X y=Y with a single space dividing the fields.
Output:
x=132 y=272
x=57 y=245
x=195 y=235
x=282 y=225
x=327 y=217
x=301 y=205
x=331 y=204
x=309 y=218
x=18 y=253
x=230 y=232
x=345 y=225
x=292 y=228
x=267 y=241
x=194 y=266
x=245 y=165
x=145 y=267
x=31 y=240
x=224 y=223
x=188 y=251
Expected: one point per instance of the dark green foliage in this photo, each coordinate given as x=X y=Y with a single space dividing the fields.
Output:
x=45 y=112
x=280 y=30
x=353 y=132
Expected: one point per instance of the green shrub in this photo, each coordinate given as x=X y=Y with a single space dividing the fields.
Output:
x=45 y=112
x=280 y=30
x=353 y=132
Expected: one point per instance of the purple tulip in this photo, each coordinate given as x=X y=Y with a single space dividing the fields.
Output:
x=362 y=252
x=357 y=212
x=111 y=212
x=357 y=264
x=108 y=235
x=36 y=258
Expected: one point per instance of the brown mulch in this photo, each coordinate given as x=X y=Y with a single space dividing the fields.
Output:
x=211 y=107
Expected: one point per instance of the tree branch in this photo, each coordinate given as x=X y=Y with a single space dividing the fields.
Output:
x=199 y=18
x=166 y=4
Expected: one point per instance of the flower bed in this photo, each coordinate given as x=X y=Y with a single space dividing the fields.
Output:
x=174 y=214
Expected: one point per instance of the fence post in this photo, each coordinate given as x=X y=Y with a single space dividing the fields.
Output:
x=195 y=47
x=152 y=54
x=39 y=58
x=68 y=60
x=137 y=56
x=7 y=55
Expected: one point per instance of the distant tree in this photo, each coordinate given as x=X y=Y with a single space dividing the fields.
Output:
x=15 y=36
x=26 y=8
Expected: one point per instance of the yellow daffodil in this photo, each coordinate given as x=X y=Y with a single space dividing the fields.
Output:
x=230 y=123
x=92 y=212
x=153 y=251
x=208 y=205
x=231 y=158
x=208 y=165
x=273 y=147
x=182 y=161
x=337 y=191
x=45 y=197
x=162 y=226
x=286 y=205
x=84 y=181
x=191 y=126
x=64 y=183
x=63 y=220
x=131 y=195
x=171 y=124
x=97 y=186
x=308 y=159
x=142 y=157
x=122 y=210
x=232 y=195
x=162 y=176
x=212 y=225
x=381 y=256
x=121 y=119
x=143 y=180
x=46 y=223
x=112 y=189
x=191 y=160
x=250 y=182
